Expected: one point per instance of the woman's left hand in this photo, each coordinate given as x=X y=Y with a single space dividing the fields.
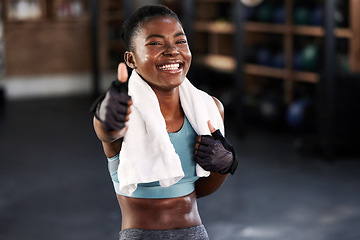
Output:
x=214 y=153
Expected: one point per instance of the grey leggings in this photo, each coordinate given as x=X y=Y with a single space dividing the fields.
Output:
x=192 y=233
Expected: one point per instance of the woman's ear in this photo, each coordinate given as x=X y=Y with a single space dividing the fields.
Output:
x=129 y=59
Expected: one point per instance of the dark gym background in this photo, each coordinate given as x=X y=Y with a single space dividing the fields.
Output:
x=287 y=72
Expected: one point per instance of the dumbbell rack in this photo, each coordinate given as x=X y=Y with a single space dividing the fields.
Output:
x=288 y=31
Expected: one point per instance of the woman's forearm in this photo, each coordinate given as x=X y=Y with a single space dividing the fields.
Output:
x=106 y=136
x=207 y=185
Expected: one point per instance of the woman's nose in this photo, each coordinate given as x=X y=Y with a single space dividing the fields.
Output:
x=171 y=50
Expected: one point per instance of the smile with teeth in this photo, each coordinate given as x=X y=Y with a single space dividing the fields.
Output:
x=169 y=67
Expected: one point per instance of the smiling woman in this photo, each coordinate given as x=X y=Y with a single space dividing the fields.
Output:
x=163 y=151
x=161 y=54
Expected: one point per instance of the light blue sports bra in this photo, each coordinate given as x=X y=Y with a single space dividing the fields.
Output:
x=184 y=143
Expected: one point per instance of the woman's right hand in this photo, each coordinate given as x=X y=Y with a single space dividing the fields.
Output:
x=114 y=110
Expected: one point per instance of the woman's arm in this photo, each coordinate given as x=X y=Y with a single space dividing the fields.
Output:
x=207 y=185
x=111 y=141
x=106 y=136
x=112 y=112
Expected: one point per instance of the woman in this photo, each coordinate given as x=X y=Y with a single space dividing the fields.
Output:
x=158 y=53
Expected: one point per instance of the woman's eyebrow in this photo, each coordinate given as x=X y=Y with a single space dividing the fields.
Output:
x=155 y=35
x=162 y=36
x=179 y=34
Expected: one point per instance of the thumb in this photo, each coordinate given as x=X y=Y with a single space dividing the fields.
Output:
x=211 y=128
x=122 y=73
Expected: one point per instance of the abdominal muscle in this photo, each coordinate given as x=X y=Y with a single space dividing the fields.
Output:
x=159 y=214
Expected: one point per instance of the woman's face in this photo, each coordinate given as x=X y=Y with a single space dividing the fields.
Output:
x=161 y=53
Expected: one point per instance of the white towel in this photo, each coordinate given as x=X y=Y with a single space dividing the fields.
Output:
x=147 y=154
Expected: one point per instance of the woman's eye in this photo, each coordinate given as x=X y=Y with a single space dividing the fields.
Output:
x=182 y=41
x=155 y=43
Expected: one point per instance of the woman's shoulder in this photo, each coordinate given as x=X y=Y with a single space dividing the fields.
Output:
x=219 y=105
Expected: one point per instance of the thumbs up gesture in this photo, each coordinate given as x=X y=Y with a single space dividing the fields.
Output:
x=113 y=109
x=214 y=153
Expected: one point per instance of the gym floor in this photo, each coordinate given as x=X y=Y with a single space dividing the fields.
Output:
x=54 y=183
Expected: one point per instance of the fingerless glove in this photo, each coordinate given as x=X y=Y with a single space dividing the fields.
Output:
x=111 y=108
x=215 y=153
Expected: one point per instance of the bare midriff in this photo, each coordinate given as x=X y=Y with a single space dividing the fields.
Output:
x=159 y=214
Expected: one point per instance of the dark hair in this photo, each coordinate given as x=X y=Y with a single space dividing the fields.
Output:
x=139 y=17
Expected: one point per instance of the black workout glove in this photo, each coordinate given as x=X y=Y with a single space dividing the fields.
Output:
x=214 y=153
x=111 y=108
